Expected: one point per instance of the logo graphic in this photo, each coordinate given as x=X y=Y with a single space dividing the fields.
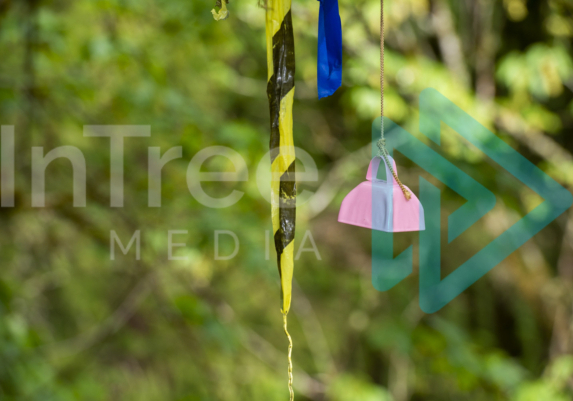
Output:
x=435 y=291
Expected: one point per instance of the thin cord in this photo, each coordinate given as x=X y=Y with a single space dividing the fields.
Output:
x=382 y=141
x=290 y=377
x=382 y=74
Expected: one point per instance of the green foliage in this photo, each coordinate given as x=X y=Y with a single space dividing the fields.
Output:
x=75 y=325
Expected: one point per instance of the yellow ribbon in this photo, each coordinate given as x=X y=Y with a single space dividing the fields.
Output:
x=223 y=12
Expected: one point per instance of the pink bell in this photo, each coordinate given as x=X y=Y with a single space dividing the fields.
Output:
x=381 y=204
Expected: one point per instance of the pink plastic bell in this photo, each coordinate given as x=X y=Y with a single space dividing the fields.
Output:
x=381 y=204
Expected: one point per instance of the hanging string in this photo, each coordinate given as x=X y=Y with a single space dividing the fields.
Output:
x=382 y=151
x=290 y=377
x=382 y=141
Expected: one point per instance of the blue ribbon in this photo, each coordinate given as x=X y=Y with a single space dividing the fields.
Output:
x=329 y=64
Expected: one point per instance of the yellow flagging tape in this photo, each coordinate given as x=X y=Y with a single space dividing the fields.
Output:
x=280 y=91
x=223 y=12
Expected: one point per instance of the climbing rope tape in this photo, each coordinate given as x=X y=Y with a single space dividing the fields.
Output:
x=280 y=91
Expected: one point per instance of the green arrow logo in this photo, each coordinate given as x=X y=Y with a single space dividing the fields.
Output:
x=436 y=292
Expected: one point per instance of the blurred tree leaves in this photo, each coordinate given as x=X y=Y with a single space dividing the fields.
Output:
x=75 y=325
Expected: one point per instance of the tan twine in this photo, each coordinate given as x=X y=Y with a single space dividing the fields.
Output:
x=382 y=151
